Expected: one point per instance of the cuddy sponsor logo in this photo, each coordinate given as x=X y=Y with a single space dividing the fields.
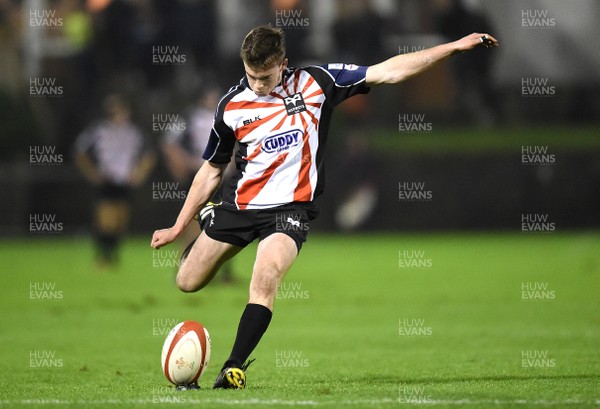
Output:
x=282 y=141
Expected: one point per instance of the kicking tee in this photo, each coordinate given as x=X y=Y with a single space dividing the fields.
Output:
x=281 y=136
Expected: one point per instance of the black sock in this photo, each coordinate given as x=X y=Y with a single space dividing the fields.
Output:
x=107 y=244
x=253 y=324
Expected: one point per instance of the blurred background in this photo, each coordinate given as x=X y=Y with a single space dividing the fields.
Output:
x=479 y=142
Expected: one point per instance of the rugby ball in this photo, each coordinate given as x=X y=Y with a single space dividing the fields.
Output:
x=186 y=353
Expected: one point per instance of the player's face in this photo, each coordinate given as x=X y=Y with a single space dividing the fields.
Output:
x=263 y=81
x=119 y=114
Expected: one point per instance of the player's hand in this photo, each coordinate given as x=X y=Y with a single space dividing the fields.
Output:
x=476 y=39
x=163 y=237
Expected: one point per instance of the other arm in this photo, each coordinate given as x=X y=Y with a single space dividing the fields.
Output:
x=404 y=66
x=85 y=163
x=205 y=183
x=142 y=169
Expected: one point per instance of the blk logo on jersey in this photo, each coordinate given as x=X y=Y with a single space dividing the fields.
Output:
x=249 y=121
x=283 y=141
x=294 y=104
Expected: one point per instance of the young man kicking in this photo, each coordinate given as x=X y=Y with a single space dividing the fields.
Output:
x=279 y=117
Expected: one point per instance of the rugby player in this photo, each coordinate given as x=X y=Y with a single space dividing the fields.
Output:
x=115 y=156
x=279 y=117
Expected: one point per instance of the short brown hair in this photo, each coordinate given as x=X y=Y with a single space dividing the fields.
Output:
x=263 y=47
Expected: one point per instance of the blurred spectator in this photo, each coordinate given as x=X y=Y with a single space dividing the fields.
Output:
x=193 y=26
x=150 y=24
x=75 y=67
x=77 y=25
x=357 y=166
x=356 y=171
x=358 y=33
x=359 y=38
x=185 y=142
x=114 y=156
x=183 y=147
x=473 y=71
x=11 y=31
x=114 y=45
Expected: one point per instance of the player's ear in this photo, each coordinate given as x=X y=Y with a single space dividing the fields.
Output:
x=284 y=63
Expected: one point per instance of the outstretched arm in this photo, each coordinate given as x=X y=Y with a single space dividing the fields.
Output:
x=404 y=66
x=204 y=185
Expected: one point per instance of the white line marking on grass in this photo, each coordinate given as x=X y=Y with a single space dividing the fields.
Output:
x=500 y=402
x=270 y=402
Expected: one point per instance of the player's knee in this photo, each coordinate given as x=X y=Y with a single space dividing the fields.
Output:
x=265 y=281
x=186 y=284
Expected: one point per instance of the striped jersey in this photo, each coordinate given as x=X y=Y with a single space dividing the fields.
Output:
x=115 y=149
x=281 y=136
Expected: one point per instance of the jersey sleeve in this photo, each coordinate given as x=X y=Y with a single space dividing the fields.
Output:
x=340 y=81
x=220 y=142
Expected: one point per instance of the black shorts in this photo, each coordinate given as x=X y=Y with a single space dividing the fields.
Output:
x=112 y=191
x=242 y=227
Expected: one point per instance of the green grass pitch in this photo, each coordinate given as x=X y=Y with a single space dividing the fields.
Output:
x=441 y=320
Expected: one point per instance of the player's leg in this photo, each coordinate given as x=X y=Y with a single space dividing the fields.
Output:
x=104 y=243
x=122 y=211
x=110 y=219
x=202 y=262
x=275 y=255
x=190 y=234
